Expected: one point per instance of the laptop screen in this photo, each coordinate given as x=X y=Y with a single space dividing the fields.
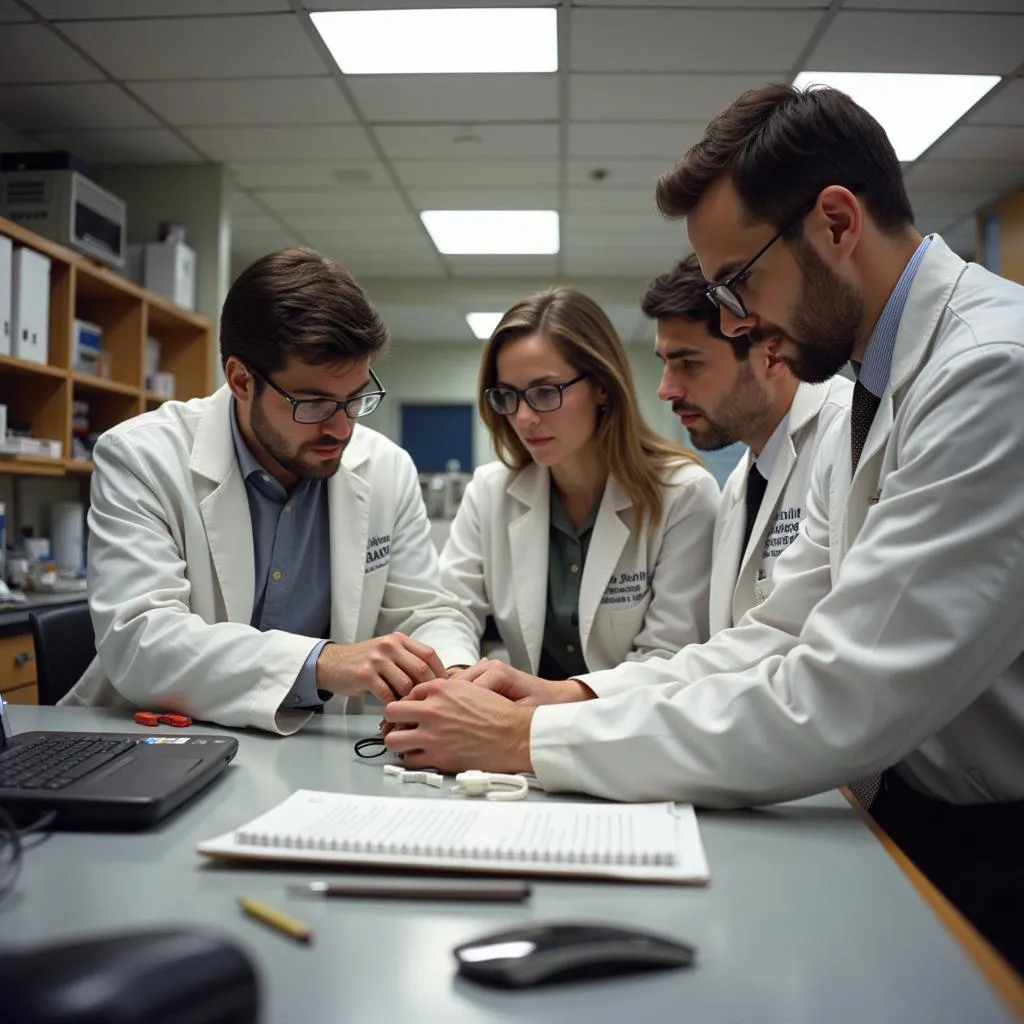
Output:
x=5 y=725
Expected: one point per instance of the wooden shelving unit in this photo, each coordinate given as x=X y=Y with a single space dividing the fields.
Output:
x=42 y=395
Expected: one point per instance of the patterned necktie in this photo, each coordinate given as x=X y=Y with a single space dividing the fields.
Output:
x=756 y=484
x=862 y=414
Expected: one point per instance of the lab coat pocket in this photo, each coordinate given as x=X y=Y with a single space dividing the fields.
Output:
x=626 y=621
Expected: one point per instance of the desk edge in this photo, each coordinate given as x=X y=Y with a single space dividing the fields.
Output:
x=1003 y=979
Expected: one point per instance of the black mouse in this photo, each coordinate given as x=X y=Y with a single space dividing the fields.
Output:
x=537 y=954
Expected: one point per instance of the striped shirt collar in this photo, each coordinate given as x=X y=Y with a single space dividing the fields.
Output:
x=876 y=368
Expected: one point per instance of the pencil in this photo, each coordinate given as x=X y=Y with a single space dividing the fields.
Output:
x=276 y=919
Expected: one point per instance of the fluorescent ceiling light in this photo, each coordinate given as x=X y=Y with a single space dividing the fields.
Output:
x=914 y=110
x=493 y=232
x=482 y=324
x=498 y=40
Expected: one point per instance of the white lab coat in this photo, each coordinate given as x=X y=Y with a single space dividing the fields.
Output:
x=895 y=631
x=741 y=579
x=642 y=593
x=171 y=570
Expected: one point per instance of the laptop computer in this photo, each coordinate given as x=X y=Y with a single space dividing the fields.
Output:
x=105 y=780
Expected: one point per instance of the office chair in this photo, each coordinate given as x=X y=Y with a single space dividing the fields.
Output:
x=65 y=644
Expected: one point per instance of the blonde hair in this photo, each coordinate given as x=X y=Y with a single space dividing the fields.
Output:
x=582 y=333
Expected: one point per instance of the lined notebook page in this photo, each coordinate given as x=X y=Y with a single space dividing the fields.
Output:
x=549 y=832
x=657 y=842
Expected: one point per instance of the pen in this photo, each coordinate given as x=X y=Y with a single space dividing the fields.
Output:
x=485 y=890
x=276 y=919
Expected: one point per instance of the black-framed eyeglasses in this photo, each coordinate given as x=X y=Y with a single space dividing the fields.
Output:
x=504 y=400
x=317 y=410
x=725 y=294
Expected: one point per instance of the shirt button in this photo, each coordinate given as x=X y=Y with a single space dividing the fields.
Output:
x=570 y=648
x=276 y=575
x=266 y=479
x=288 y=507
x=574 y=568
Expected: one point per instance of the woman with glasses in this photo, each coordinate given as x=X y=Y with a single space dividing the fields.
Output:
x=589 y=542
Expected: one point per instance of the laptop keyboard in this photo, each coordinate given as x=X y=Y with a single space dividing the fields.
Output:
x=53 y=762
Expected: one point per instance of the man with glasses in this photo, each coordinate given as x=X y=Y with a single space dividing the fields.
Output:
x=737 y=389
x=254 y=553
x=890 y=654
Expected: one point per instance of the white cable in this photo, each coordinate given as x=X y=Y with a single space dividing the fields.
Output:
x=404 y=775
x=474 y=783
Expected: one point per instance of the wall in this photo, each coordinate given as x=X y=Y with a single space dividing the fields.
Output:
x=1011 y=237
x=11 y=140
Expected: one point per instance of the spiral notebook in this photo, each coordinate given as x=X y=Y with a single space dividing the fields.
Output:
x=644 y=842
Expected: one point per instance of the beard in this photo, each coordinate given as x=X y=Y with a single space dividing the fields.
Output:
x=742 y=412
x=826 y=322
x=295 y=459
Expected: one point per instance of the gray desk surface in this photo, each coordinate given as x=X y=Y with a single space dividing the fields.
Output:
x=807 y=919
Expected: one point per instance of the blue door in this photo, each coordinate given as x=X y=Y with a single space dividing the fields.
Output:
x=434 y=434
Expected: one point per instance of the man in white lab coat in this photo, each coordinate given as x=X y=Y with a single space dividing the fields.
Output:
x=248 y=550
x=890 y=650
x=726 y=390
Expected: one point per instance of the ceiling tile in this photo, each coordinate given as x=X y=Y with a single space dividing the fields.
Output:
x=503 y=266
x=368 y=265
x=45 y=108
x=411 y=322
x=647 y=39
x=109 y=146
x=401 y=5
x=946 y=203
x=636 y=141
x=898 y=41
x=349 y=174
x=982 y=142
x=485 y=199
x=450 y=174
x=385 y=227
x=32 y=53
x=1005 y=107
x=247 y=101
x=696 y=97
x=10 y=11
x=977 y=6
x=249 y=245
x=436 y=142
x=319 y=142
x=57 y=10
x=485 y=98
x=619 y=173
x=260 y=46
x=602 y=198
x=964 y=174
x=336 y=201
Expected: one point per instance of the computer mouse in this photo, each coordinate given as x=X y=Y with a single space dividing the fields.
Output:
x=543 y=953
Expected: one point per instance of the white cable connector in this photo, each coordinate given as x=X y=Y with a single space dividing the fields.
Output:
x=476 y=783
x=404 y=775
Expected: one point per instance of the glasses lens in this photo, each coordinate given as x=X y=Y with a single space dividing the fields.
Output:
x=723 y=295
x=315 y=411
x=504 y=401
x=544 y=397
x=363 y=405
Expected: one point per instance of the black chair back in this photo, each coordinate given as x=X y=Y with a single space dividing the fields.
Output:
x=65 y=645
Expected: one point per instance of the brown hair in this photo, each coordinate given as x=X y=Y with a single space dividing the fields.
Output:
x=299 y=303
x=581 y=331
x=682 y=292
x=781 y=147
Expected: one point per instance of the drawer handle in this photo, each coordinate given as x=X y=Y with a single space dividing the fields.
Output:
x=24 y=658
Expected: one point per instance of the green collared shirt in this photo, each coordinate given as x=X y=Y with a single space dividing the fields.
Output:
x=561 y=654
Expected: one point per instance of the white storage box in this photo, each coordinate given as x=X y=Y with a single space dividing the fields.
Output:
x=169 y=269
x=30 y=286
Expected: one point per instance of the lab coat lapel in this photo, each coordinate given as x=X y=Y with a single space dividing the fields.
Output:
x=225 y=508
x=348 y=511
x=606 y=544
x=528 y=542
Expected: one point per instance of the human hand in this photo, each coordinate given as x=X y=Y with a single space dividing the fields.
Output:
x=521 y=687
x=386 y=666
x=454 y=726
